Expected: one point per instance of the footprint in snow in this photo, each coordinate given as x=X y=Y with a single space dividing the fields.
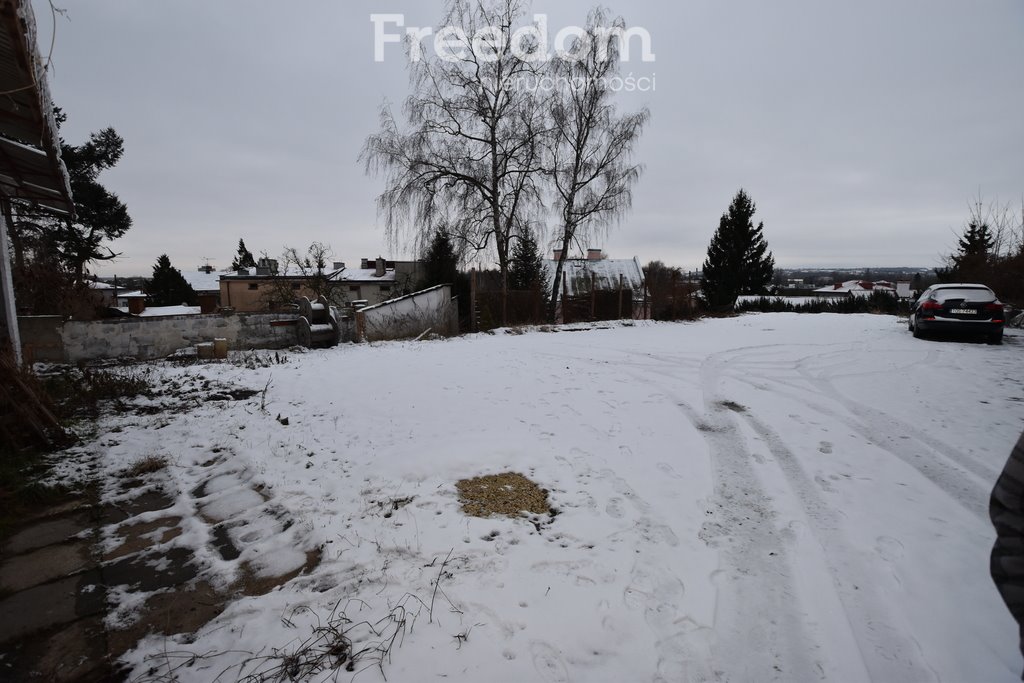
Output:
x=668 y=470
x=654 y=532
x=890 y=549
x=825 y=447
x=548 y=663
x=658 y=593
x=614 y=508
x=620 y=486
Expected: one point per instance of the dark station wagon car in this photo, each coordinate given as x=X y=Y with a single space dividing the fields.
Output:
x=960 y=308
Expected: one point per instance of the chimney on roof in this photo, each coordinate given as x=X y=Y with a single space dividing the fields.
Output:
x=594 y=254
x=136 y=305
x=558 y=254
x=339 y=265
x=381 y=267
x=266 y=266
x=364 y=263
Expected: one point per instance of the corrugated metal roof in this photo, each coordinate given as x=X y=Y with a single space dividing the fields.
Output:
x=30 y=164
x=578 y=273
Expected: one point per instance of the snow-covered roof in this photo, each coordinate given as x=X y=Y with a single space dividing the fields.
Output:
x=170 y=310
x=289 y=271
x=201 y=281
x=96 y=284
x=362 y=275
x=856 y=288
x=132 y=295
x=578 y=272
x=340 y=275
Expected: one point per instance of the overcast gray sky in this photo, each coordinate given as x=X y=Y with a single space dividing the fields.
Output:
x=862 y=130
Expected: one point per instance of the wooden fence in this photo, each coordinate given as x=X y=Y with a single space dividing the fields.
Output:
x=529 y=307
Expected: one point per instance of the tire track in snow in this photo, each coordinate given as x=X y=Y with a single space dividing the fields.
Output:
x=758 y=619
x=754 y=622
x=961 y=477
x=965 y=479
x=759 y=625
x=754 y=627
x=898 y=428
x=886 y=653
x=878 y=631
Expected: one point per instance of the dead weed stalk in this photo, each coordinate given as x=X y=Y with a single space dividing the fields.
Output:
x=337 y=645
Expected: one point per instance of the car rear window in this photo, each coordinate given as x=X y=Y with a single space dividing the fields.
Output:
x=964 y=294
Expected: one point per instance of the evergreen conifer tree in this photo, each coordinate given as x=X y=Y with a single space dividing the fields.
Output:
x=526 y=270
x=971 y=261
x=977 y=240
x=168 y=287
x=738 y=260
x=440 y=263
x=243 y=258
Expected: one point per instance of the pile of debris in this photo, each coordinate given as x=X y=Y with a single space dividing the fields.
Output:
x=27 y=417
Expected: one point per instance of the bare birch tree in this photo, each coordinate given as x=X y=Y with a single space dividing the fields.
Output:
x=591 y=145
x=470 y=157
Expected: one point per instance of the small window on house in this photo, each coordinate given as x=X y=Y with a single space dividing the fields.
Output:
x=253 y=286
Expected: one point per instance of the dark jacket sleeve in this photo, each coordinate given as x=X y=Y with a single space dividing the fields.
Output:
x=1006 y=508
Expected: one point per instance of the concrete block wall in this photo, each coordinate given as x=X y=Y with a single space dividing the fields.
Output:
x=41 y=338
x=157 y=337
x=409 y=316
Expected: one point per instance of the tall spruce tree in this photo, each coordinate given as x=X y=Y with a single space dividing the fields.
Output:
x=527 y=271
x=738 y=260
x=974 y=252
x=440 y=262
x=243 y=258
x=168 y=286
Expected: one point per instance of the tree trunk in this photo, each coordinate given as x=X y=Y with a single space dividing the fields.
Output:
x=559 y=269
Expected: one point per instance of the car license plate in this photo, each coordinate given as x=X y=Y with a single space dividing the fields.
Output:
x=964 y=311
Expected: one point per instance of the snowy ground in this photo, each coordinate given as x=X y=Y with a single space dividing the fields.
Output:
x=770 y=497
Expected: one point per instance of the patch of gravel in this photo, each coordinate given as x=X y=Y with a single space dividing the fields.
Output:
x=508 y=493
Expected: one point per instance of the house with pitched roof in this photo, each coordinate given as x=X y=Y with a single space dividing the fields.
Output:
x=605 y=278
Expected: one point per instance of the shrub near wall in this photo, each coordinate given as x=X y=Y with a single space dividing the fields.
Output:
x=877 y=302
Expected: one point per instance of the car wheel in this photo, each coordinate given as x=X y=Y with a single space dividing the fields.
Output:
x=996 y=337
x=916 y=330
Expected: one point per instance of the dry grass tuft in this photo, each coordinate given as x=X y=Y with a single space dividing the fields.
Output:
x=147 y=465
x=507 y=494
